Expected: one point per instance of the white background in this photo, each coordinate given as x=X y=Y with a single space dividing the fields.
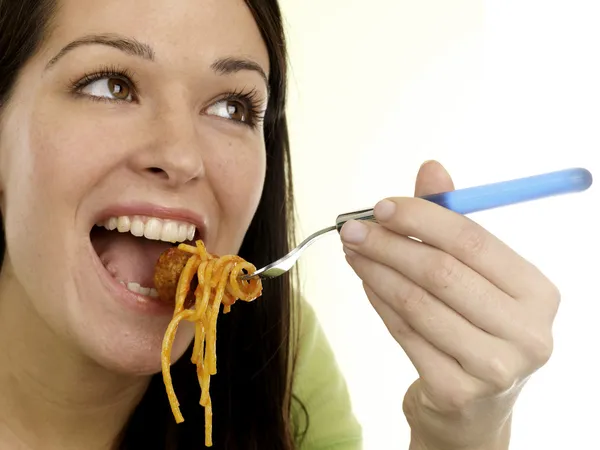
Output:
x=494 y=90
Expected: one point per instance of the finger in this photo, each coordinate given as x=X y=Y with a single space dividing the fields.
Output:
x=446 y=382
x=432 y=178
x=458 y=286
x=480 y=354
x=427 y=359
x=465 y=240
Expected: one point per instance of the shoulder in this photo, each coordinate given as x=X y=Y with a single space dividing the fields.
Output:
x=321 y=390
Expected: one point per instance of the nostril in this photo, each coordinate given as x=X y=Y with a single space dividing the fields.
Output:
x=158 y=171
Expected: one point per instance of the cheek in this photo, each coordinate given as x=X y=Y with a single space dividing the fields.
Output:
x=56 y=158
x=238 y=179
x=50 y=167
x=37 y=220
x=41 y=181
x=73 y=154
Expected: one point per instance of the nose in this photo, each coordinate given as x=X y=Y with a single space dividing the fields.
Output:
x=173 y=152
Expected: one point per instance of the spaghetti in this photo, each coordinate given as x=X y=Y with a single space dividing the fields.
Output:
x=218 y=283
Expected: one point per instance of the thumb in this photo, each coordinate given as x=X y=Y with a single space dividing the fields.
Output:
x=432 y=179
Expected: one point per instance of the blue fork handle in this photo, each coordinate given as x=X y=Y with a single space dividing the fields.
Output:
x=495 y=195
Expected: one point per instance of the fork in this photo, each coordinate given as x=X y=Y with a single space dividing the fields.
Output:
x=462 y=201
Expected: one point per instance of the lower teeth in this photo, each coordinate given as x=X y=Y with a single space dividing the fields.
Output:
x=135 y=287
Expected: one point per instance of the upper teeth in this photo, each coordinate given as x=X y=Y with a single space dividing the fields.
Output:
x=151 y=228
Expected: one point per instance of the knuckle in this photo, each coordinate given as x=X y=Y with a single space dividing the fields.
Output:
x=552 y=297
x=461 y=398
x=408 y=216
x=452 y=394
x=501 y=376
x=401 y=330
x=471 y=240
x=455 y=395
x=377 y=242
x=539 y=347
x=443 y=272
x=411 y=298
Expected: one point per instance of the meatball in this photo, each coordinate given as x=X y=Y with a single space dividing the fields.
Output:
x=167 y=271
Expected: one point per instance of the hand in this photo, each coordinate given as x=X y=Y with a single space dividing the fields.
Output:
x=474 y=317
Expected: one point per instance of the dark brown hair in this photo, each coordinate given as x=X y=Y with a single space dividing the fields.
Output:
x=252 y=392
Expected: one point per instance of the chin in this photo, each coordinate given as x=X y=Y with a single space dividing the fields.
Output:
x=127 y=348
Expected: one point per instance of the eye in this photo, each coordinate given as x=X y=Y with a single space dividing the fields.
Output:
x=230 y=109
x=109 y=87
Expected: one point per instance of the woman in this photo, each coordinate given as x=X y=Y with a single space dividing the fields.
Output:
x=123 y=121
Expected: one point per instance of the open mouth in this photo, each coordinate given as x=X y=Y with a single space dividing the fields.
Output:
x=129 y=247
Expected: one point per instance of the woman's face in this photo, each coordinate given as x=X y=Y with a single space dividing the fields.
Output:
x=144 y=116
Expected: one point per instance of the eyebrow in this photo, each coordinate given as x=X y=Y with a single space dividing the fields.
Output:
x=227 y=66
x=123 y=43
x=223 y=66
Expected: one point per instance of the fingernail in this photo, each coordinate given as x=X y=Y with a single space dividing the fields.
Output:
x=354 y=232
x=384 y=210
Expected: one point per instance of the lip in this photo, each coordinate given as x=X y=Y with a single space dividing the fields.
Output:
x=141 y=304
x=160 y=212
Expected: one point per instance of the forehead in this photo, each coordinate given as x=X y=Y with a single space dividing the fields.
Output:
x=179 y=31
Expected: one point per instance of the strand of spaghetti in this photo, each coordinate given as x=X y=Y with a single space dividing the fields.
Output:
x=185 y=280
x=200 y=366
x=205 y=380
x=205 y=385
x=201 y=305
x=208 y=424
x=200 y=272
x=222 y=284
x=209 y=365
x=228 y=299
x=217 y=271
x=253 y=286
x=197 y=352
x=198 y=250
x=166 y=361
x=204 y=284
x=204 y=272
x=202 y=250
x=221 y=266
x=211 y=343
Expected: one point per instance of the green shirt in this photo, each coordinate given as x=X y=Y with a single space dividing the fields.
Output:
x=321 y=388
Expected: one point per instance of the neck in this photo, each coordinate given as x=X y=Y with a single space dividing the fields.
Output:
x=52 y=396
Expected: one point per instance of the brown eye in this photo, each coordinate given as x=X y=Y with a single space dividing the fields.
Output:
x=229 y=109
x=236 y=111
x=111 y=88
x=119 y=88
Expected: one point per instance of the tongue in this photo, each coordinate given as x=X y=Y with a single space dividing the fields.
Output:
x=126 y=257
